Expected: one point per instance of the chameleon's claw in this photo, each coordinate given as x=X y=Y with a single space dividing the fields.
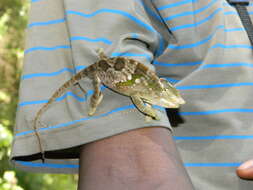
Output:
x=150 y=118
x=92 y=111
x=100 y=52
x=155 y=116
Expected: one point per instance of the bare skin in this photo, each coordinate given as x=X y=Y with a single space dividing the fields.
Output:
x=143 y=159
x=245 y=171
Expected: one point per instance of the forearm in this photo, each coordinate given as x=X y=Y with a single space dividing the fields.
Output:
x=140 y=159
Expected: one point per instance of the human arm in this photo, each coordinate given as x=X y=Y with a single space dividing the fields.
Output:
x=140 y=158
x=121 y=30
x=143 y=159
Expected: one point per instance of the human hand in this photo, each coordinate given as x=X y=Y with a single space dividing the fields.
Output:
x=245 y=171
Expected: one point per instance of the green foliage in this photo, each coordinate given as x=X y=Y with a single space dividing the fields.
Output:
x=9 y=181
x=13 y=21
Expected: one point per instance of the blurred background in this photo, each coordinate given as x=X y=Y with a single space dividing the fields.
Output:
x=13 y=22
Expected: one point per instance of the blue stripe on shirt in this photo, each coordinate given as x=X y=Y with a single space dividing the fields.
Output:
x=228 y=85
x=114 y=11
x=46 y=165
x=78 y=98
x=211 y=112
x=44 y=48
x=34 y=75
x=196 y=24
x=232 y=46
x=197 y=11
x=171 y=80
x=193 y=13
x=217 y=137
x=52 y=74
x=204 y=66
x=225 y=3
x=104 y=40
x=212 y=164
x=128 y=54
x=210 y=37
x=74 y=38
x=176 y=64
x=79 y=120
x=173 y=5
x=69 y=93
x=235 y=64
x=46 y=23
x=235 y=13
x=186 y=26
x=195 y=44
x=51 y=165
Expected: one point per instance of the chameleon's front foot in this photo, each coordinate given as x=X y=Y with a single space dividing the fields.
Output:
x=149 y=119
x=151 y=113
x=146 y=109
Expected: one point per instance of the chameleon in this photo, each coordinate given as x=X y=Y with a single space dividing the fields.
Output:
x=125 y=76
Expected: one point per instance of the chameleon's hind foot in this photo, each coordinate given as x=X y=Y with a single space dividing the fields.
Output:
x=92 y=111
x=94 y=105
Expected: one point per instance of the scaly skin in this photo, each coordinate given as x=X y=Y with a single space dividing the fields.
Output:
x=125 y=76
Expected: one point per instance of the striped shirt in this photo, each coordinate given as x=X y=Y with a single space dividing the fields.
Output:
x=198 y=45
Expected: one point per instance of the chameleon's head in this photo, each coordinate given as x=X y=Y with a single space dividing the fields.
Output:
x=166 y=96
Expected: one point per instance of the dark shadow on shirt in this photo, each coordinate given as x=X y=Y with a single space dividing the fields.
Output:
x=174 y=117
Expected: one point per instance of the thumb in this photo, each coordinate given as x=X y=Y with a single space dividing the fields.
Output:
x=245 y=171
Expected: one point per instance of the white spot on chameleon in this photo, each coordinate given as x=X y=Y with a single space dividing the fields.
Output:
x=137 y=81
x=129 y=77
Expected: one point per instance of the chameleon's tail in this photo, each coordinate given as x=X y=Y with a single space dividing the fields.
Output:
x=74 y=80
x=37 y=135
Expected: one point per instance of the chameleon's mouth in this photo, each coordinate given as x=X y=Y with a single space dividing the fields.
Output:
x=165 y=103
x=169 y=104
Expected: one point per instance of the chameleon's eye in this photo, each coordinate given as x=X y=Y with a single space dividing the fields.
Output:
x=119 y=64
x=141 y=69
x=103 y=64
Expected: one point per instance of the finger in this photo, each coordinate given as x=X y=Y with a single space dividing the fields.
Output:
x=245 y=170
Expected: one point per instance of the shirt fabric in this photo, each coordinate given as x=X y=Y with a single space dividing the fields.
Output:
x=198 y=45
